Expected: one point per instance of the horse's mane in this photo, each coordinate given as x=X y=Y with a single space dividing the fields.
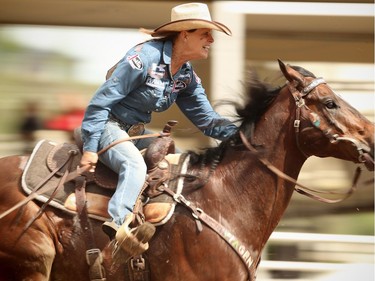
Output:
x=258 y=97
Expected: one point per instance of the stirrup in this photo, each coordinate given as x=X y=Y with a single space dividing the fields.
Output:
x=110 y=228
x=134 y=241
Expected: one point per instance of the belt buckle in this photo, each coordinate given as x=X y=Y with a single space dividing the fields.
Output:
x=136 y=130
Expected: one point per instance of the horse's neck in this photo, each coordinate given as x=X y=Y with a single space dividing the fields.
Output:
x=275 y=134
x=257 y=194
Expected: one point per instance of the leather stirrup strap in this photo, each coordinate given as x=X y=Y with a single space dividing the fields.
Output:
x=94 y=256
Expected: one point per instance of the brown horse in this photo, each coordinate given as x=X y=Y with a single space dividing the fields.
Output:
x=229 y=184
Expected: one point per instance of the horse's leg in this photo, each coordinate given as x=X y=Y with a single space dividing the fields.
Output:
x=24 y=255
x=27 y=256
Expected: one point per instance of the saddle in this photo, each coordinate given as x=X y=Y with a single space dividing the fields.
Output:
x=50 y=160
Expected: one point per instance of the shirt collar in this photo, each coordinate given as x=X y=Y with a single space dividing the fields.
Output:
x=167 y=52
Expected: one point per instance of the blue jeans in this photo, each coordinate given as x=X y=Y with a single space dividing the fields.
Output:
x=126 y=160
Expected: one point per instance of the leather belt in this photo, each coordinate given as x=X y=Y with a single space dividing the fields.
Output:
x=132 y=130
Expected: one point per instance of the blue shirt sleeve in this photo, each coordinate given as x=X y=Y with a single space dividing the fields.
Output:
x=194 y=103
x=129 y=74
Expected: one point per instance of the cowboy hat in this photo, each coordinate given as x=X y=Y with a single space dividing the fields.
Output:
x=190 y=16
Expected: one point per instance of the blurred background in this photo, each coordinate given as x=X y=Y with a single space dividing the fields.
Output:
x=55 y=54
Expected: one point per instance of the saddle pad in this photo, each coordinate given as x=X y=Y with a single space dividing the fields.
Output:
x=46 y=157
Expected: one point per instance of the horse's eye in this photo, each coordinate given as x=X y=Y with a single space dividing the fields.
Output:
x=330 y=104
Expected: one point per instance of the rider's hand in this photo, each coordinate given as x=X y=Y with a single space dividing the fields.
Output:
x=89 y=158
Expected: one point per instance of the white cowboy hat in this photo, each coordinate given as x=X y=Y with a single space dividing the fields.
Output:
x=190 y=16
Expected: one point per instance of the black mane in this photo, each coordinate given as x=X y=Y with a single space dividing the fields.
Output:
x=258 y=97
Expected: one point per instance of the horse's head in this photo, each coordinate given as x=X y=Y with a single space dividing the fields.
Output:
x=325 y=124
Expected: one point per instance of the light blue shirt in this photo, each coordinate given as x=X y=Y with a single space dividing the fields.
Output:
x=142 y=83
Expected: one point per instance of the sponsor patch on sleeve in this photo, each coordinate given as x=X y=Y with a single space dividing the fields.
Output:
x=135 y=62
x=179 y=85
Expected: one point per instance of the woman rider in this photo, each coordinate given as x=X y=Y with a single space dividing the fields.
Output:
x=150 y=78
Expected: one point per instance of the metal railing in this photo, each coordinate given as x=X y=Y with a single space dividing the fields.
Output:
x=313 y=257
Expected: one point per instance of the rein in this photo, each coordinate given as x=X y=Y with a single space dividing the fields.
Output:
x=303 y=189
x=161 y=134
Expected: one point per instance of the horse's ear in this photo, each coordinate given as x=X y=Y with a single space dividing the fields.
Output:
x=290 y=74
x=282 y=66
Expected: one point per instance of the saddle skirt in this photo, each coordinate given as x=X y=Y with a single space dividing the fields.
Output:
x=49 y=161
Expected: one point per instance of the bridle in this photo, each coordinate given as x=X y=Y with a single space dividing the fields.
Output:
x=299 y=97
